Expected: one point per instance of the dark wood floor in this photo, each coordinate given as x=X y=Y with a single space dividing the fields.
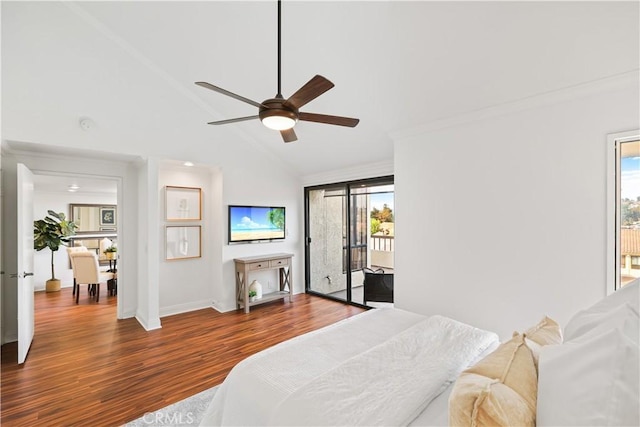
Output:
x=85 y=367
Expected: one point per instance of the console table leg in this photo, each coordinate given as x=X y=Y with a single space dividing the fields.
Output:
x=285 y=281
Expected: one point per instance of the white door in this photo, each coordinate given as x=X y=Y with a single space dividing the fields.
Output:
x=26 y=321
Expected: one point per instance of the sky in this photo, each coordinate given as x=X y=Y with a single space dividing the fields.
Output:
x=630 y=177
x=378 y=200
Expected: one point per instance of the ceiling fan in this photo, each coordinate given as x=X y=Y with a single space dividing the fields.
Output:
x=282 y=114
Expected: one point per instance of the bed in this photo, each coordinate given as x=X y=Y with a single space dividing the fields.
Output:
x=393 y=367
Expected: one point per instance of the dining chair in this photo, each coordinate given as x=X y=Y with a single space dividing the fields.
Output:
x=71 y=251
x=86 y=271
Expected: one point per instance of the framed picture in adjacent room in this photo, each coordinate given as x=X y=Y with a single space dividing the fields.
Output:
x=107 y=216
x=183 y=203
x=183 y=242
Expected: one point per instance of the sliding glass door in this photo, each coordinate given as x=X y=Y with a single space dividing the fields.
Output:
x=326 y=225
x=349 y=226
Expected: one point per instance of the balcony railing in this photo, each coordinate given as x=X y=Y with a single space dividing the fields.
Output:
x=359 y=253
x=382 y=243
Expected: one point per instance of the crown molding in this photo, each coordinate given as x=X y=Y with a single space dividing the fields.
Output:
x=370 y=170
x=611 y=83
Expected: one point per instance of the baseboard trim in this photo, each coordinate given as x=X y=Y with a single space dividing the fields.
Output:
x=148 y=327
x=184 y=308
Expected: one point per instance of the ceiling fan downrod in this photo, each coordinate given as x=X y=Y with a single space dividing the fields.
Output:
x=279 y=95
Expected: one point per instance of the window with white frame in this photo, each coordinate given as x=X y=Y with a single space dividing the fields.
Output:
x=623 y=265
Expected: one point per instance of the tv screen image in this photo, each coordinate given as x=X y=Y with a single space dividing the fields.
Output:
x=252 y=223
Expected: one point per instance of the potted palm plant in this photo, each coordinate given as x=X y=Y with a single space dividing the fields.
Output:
x=52 y=232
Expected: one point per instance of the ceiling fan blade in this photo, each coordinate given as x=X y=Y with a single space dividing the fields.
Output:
x=239 y=119
x=231 y=94
x=288 y=135
x=330 y=120
x=310 y=91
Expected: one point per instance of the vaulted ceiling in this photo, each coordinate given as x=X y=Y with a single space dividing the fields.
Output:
x=131 y=66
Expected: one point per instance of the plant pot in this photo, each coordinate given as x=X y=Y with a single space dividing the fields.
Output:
x=110 y=255
x=53 y=285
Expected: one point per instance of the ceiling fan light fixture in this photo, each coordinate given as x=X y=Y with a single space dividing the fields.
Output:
x=278 y=122
x=278 y=119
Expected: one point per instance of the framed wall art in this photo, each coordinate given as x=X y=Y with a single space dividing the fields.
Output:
x=107 y=216
x=183 y=242
x=183 y=203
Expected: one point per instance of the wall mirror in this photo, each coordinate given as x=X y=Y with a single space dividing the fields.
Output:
x=92 y=219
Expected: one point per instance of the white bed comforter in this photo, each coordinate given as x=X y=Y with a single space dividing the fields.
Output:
x=382 y=367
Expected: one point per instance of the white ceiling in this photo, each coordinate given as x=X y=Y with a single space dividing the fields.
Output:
x=131 y=68
x=56 y=184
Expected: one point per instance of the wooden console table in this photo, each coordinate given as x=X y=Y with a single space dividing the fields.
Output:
x=244 y=267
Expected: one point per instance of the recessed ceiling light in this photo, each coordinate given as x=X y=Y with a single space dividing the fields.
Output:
x=74 y=187
x=189 y=164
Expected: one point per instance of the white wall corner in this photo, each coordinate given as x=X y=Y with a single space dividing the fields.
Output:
x=149 y=326
x=224 y=307
x=127 y=314
x=10 y=336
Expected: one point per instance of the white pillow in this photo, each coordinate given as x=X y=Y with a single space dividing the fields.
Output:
x=629 y=293
x=589 y=323
x=593 y=381
x=578 y=324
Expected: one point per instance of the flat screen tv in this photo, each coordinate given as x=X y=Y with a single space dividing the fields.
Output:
x=256 y=223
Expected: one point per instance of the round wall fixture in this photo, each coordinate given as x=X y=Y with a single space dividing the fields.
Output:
x=86 y=123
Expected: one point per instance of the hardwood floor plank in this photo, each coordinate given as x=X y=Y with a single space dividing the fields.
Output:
x=85 y=367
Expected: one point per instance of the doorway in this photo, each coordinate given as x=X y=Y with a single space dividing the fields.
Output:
x=64 y=193
x=348 y=227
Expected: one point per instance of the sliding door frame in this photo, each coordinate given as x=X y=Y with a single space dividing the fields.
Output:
x=347 y=185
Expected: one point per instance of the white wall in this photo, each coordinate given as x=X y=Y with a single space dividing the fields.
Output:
x=148 y=239
x=189 y=284
x=261 y=183
x=502 y=220
x=59 y=202
x=209 y=281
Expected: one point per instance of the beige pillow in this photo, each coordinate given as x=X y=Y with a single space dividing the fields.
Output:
x=546 y=332
x=500 y=390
